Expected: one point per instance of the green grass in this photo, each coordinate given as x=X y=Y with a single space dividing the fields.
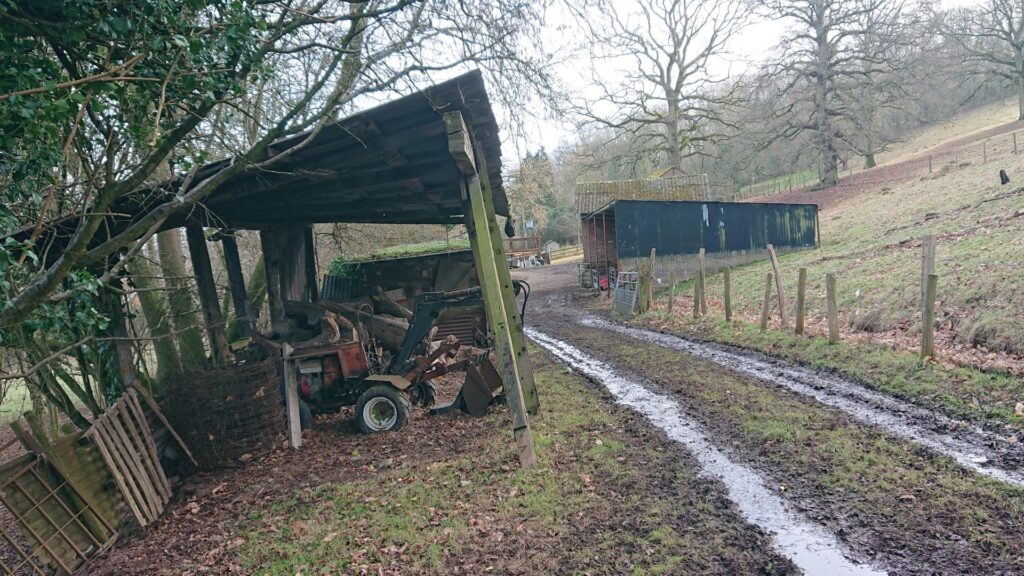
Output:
x=871 y=243
x=478 y=506
x=959 y=391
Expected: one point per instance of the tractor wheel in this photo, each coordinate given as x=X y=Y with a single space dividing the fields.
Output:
x=382 y=408
x=425 y=393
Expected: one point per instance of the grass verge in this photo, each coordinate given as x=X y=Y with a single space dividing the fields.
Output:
x=609 y=497
x=987 y=398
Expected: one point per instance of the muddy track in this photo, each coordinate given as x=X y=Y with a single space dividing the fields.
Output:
x=983 y=451
x=886 y=485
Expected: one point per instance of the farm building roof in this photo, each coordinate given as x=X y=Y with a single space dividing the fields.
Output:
x=389 y=164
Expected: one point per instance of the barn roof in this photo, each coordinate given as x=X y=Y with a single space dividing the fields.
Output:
x=389 y=164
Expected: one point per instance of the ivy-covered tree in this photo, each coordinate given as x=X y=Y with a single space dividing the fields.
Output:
x=100 y=99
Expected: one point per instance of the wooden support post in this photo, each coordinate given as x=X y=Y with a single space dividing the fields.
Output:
x=833 y=309
x=499 y=300
x=767 y=302
x=778 y=287
x=312 y=279
x=928 y=318
x=233 y=263
x=728 y=294
x=927 y=266
x=1014 y=142
x=291 y=398
x=208 y=299
x=270 y=245
x=801 y=300
x=671 y=291
x=929 y=163
x=701 y=279
x=984 y=151
x=521 y=355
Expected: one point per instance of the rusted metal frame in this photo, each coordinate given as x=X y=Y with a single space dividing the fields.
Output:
x=74 y=516
x=147 y=434
x=43 y=542
x=129 y=455
x=128 y=490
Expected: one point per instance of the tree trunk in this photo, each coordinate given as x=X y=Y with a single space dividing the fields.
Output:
x=181 y=304
x=154 y=308
x=1020 y=94
x=869 y=160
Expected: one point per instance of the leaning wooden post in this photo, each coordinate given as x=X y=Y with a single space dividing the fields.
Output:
x=671 y=291
x=927 y=266
x=727 y=295
x=767 y=301
x=778 y=287
x=928 y=318
x=233 y=264
x=833 y=309
x=291 y=398
x=801 y=300
x=499 y=299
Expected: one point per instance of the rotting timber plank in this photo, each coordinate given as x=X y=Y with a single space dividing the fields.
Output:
x=481 y=223
x=521 y=354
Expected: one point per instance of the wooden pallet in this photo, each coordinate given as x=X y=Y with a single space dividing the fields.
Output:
x=123 y=437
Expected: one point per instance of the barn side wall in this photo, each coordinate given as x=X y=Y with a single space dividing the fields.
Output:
x=731 y=233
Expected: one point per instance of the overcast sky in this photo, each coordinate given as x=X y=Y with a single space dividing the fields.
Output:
x=749 y=48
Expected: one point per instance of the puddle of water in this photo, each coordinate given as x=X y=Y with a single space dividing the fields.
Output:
x=808 y=545
x=901 y=419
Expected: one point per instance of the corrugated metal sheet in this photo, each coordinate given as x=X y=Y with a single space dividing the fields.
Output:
x=686 y=227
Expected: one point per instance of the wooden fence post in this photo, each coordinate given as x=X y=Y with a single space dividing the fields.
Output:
x=927 y=265
x=703 y=286
x=696 y=300
x=671 y=291
x=929 y=163
x=778 y=287
x=984 y=151
x=928 y=318
x=833 y=310
x=291 y=398
x=767 y=301
x=728 y=295
x=801 y=302
x=1014 y=142
x=650 y=281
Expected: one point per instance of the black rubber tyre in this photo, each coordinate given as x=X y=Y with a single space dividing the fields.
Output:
x=425 y=394
x=382 y=408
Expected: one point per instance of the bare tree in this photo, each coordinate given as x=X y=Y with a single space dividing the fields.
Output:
x=836 y=49
x=669 y=95
x=991 y=38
